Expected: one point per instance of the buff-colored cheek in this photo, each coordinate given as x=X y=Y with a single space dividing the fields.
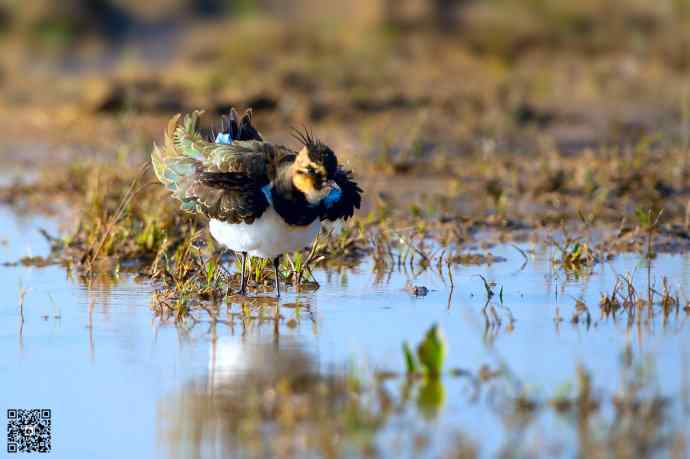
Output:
x=304 y=184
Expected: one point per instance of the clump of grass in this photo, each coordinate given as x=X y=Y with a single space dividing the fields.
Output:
x=625 y=298
x=120 y=217
x=648 y=222
x=574 y=255
x=300 y=265
x=609 y=302
x=186 y=280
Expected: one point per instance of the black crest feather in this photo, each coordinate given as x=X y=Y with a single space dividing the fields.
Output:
x=305 y=137
x=318 y=152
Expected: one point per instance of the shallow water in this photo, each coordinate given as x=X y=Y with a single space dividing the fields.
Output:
x=121 y=383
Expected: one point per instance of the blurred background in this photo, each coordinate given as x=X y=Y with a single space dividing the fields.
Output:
x=516 y=73
x=402 y=87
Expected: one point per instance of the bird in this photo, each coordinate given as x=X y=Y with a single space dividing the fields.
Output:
x=262 y=199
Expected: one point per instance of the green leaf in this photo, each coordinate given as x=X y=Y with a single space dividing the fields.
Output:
x=643 y=217
x=432 y=352
x=210 y=271
x=410 y=361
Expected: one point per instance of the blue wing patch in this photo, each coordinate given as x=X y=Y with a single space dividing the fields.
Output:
x=266 y=190
x=224 y=138
x=332 y=197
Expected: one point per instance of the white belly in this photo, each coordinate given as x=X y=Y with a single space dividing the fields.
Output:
x=268 y=237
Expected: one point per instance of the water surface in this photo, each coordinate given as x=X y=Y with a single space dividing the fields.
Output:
x=121 y=383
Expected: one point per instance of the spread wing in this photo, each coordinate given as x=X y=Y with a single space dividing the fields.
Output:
x=222 y=181
x=343 y=204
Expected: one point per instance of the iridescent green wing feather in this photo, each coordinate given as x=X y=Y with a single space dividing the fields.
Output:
x=221 y=181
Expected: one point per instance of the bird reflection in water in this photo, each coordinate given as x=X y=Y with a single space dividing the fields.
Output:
x=252 y=403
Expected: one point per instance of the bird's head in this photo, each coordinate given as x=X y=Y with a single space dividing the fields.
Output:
x=314 y=169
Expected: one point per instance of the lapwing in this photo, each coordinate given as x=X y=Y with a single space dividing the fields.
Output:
x=262 y=199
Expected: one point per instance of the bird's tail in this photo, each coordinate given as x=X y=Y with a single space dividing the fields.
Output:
x=182 y=155
x=186 y=152
x=231 y=129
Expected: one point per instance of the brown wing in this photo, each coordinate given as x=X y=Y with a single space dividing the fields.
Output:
x=229 y=196
x=230 y=186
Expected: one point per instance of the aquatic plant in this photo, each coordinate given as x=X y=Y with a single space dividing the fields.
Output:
x=574 y=255
x=430 y=354
x=648 y=220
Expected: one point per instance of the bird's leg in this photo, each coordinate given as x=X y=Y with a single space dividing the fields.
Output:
x=276 y=264
x=243 y=281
